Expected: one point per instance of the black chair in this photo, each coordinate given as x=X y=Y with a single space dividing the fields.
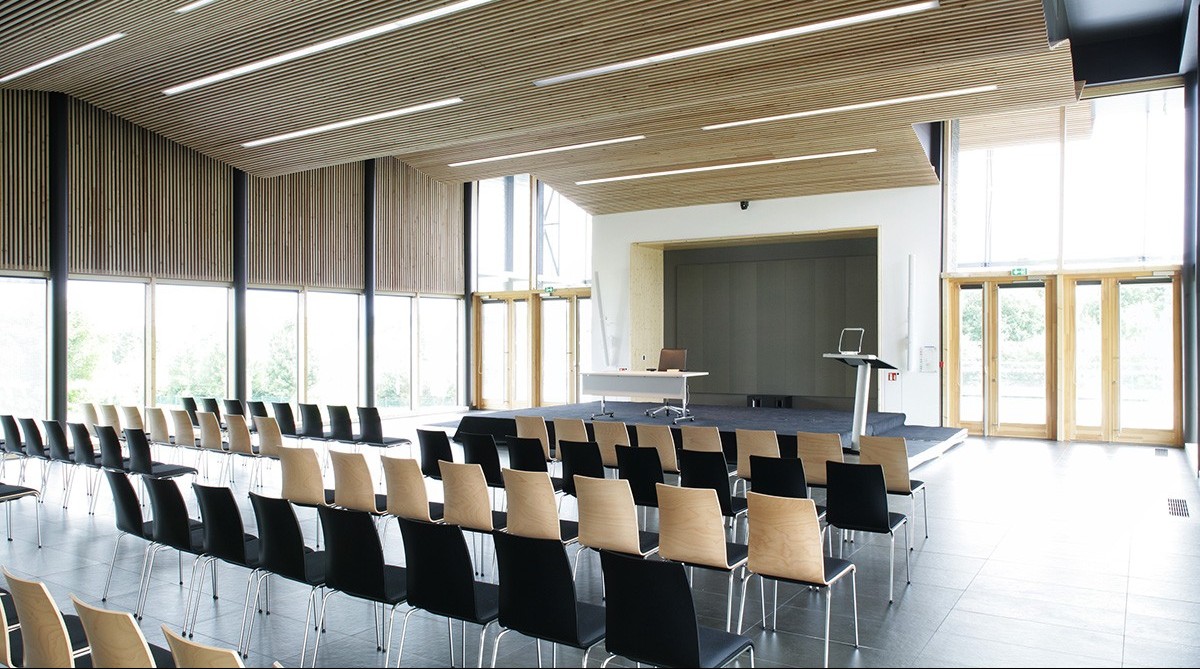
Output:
x=13 y=445
x=435 y=446
x=234 y=407
x=354 y=565
x=173 y=528
x=130 y=521
x=36 y=448
x=642 y=468
x=441 y=581
x=60 y=452
x=537 y=595
x=282 y=553
x=644 y=595
x=340 y=427
x=112 y=455
x=225 y=539
x=312 y=426
x=481 y=449
x=85 y=456
x=856 y=500
x=582 y=458
x=286 y=420
x=11 y=493
x=781 y=477
x=190 y=406
x=708 y=469
x=211 y=405
x=258 y=408
x=371 y=427
x=526 y=454
x=140 y=461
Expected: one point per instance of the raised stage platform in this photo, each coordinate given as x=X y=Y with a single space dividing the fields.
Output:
x=924 y=443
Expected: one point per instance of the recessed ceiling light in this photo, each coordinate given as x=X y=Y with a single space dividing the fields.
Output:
x=354 y=121
x=62 y=56
x=861 y=105
x=326 y=45
x=742 y=41
x=193 y=5
x=727 y=166
x=554 y=150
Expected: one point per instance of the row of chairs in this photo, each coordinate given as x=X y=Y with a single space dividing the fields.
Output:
x=35 y=633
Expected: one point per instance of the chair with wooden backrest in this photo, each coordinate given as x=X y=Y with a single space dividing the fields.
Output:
x=303 y=483
x=785 y=545
x=91 y=417
x=116 y=640
x=892 y=454
x=185 y=432
x=110 y=417
x=45 y=636
x=353 y=487
x=407 y=496
x=532 y=511
x=568 y=429
x=238 y=434
x=156 y=426
x=534 y=427
x=753 y=442
x=700 y=438
x=270 y=438
x=815 y=449
x=131 y=418
x=608 y=518
x=212 y=441
x=659 y=437
x=192 y=654
x=10 y=639
x=691 y=530
x=466 y=498
x=609 y=435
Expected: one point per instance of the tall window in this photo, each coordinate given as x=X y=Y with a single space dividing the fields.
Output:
x=438 y=339
x=271 y=344
x=502 y=234
x=23 y=347
x=1105 y=176
x=191 y=337
x=332 y=348
x=393 y=352
x=106 y=342
x=564 y=241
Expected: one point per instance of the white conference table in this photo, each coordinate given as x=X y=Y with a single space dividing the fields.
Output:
x=640 y=383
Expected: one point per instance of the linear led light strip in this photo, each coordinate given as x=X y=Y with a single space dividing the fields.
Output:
x=326 y=45
x=728 y=166
x=861 y=105
x=62 y=56
x=556 y=149
x=742 y=41
x=354 y=121
x=193 y=5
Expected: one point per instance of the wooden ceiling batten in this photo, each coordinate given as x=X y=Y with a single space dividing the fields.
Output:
x=490 y=55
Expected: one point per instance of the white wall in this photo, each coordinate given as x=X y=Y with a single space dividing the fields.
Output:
x=909 y=222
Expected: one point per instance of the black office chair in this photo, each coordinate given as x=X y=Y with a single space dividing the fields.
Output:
x=112 y=456
x=257 y=408
x=525 y=454
x=354 y=564
x=129 y=519
x=481 y=449
x=340 y=427
x=282 y=553
x=582 y=458
x=225 y=539
x=371 y=428
x=642 y=468
x=856 y=500
x=286 y=419
x=312 y=426
x=190 y=406
x=708 y=469
x=173 y=528
x=140 y=461
x=234 y=407
x=435 y=446
x=643 y=595
x=441 y=580
x=537 y=595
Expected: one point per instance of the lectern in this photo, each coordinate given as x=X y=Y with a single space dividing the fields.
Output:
x=865 y=364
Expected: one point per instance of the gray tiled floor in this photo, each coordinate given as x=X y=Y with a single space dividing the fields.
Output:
x=1039 y=554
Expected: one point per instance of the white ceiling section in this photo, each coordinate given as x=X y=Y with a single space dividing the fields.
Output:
x=490 y=53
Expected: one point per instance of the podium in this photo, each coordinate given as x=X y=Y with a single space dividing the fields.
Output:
x=864 y=364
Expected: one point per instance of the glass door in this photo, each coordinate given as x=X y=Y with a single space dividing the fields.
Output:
x=493 y=382
x=1019 y=379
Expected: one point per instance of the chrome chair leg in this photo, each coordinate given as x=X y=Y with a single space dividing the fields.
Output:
x=496 y=646
x=112 y=563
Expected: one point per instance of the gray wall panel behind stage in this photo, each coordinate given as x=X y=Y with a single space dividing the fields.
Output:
x=757 y=318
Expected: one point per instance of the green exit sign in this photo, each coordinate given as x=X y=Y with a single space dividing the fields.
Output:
x=1019 y=271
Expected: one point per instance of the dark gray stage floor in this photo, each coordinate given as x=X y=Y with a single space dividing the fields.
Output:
x=922 y=440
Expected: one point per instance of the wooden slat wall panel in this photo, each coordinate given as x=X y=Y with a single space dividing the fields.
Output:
x=24 y=215
x=419 y=235
x=143 y=206
x=306 y=229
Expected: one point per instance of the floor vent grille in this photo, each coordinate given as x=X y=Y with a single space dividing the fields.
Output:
x=1160 y=452
x=1178 y=507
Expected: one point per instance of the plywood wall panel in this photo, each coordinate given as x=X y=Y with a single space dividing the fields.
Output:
x=419 y=237
x=24 y=215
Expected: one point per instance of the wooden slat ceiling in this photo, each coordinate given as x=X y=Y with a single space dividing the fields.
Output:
x=490 y=55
